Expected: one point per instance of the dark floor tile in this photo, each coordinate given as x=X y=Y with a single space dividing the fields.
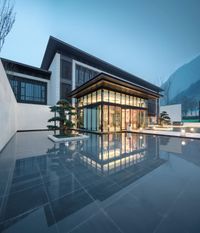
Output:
x=20 y=202
x=87 y=178
x=53 y=172
x=72 y=209
x=159 y=192
x=132 y=216
x=60 y=187
x=4 y=178
x=102 y=190
x=39 y=220
x=2 y=188
x=24 y=182
x=25 y=169
x=98 y=224
x=170 y=224
x=184 y=214
x=75 y=167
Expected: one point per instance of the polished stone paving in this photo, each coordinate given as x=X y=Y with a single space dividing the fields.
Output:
x=112 y=183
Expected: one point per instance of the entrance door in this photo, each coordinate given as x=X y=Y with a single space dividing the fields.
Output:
x=126 y=118
x=134 y=119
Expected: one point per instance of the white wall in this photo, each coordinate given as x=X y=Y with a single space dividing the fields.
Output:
x=8 y=106
x=32 y=116
x=54 y=84
x=174 y=111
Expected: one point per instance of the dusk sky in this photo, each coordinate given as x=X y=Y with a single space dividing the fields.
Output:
x=149 y=38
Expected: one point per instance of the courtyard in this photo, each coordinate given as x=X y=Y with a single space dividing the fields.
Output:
x=109 y=183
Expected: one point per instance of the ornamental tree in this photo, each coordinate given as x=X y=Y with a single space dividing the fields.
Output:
x=63 y=111
x=164 y=118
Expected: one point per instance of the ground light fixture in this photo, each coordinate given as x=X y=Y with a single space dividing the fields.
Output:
x=183 y=132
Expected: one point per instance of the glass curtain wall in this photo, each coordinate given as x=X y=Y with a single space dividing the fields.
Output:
x=110 y=111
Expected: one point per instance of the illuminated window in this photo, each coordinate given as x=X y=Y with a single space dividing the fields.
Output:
x=118 y=98
x=105 y=95
x=123 y=99
x=127 y=99
x=94 y=100
x=89 y=99
x=98 y=95
x=112 y=97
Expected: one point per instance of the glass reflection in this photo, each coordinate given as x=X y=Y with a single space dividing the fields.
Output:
x=113 y=152
x=68 y=167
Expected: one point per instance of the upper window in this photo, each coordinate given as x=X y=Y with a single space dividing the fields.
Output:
x=29 y=91
x=66 y=70
x=83 y=74
x=65 y=90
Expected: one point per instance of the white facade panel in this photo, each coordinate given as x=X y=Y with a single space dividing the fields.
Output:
x=54 y=84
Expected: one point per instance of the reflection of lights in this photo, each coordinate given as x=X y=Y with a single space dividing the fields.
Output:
x=141 y=137
x=192 y=129
x=66 y=143
x=183 y=132
x=183 y=143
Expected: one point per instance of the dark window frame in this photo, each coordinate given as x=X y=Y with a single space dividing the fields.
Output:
x=29 y=85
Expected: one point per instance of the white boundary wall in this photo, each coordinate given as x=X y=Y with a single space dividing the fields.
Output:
x=32 y=116
x=8 y=107
x=18 y=116
x=174 y=111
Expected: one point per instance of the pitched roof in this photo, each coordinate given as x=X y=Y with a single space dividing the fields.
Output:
x=55 y=45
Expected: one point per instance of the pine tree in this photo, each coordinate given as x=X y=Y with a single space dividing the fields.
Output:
x=164 y=118
x=63 y=111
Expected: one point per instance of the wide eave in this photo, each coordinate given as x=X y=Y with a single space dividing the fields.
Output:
x=105 y=81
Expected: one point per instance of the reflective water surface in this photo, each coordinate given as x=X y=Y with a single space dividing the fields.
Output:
x=108 y=183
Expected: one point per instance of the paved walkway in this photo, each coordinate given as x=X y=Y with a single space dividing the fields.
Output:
x=168 y=133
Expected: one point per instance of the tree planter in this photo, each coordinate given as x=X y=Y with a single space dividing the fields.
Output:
x=63 y=138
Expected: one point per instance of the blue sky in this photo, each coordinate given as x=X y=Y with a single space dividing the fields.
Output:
x=149 y=38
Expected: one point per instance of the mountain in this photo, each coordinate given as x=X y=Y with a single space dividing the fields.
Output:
x=189 y=99
x=182 y=83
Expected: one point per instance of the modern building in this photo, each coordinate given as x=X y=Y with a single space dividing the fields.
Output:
x=110 y=104
x=108 y=98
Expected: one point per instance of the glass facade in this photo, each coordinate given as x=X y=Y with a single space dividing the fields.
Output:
x=65 y=77
x=83 y=74
x=112 y=97
x=66 y=70
x=28 y=91
x=110 y=111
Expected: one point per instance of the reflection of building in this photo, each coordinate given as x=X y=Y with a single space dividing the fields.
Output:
x=110 y=153
x=103 y=165
x=108 y=104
